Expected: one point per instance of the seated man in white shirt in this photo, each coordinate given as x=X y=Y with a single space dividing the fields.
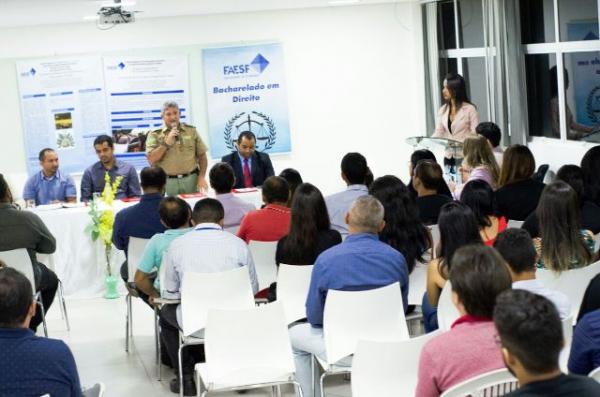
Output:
x=205 y=249
x=354 y=173
x=222 y=180
x=516 y=247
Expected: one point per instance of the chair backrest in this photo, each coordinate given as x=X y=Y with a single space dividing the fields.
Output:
x=201 y=292
x=387 y=368
x=249 y=346
x=417 y=280
x=19 y=259
x=567 y=327
x=447 y=313
x=292 y=288
x=571 y=282
x=515 y=224
x=135 y=251
x=495 y=383
x=435 y=237
x=263 y=253
x=595 y=374
x=376 y=314
x=233 y=229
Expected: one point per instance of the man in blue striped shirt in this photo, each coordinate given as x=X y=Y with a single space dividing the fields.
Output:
x=361 y=262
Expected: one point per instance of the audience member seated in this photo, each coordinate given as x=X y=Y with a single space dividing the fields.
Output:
x=415 y=158
x=591 y=298
x=590 y=166
x=31 y=365
x=141 y=220
x=479 y=196
x=517 y=249
x=478 y=163
x=469 y=348
x=590 y=212
x=428 y=182
x=458 y=227
x=518 y=194
x=361 y=262
x=354 y=173
x=585 y=348
x=250 y=166
x=294 y=179
x=49 y=185
x=93 y=179
x=310 y=231
x=492 y=133
x=205 y=249
x=175 y=215
x=562 y=244
x=222 y=180
x=271 y=222
x=25 y=229
x=403 y=229
x=531 y=338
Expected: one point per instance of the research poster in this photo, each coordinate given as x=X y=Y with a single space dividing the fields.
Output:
x=63 y=107
x=246 y=91
x=136 y=88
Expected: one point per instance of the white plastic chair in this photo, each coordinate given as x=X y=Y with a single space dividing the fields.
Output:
x=567 y=327
x=495 y=383
x=595 y=374
x=48 y=260
x=201 y=292
x=387 y=369
x=447 y=313
x=135 y=251
x=417 y=282
x=233 y=229
x=435 y=237
x=349 y=316
x=246 y=349
x=263 y=253
x=19 y=259
x=293 y=283
x=515 y=224
x=571 y=283
x=97 y=390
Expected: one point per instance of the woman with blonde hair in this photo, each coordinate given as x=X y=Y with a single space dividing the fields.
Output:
x=478 y=163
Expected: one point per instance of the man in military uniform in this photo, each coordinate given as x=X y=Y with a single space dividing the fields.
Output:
x=178 y=149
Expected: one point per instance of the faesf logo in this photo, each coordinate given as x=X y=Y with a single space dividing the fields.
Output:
x=30 y=72
x=258 y=65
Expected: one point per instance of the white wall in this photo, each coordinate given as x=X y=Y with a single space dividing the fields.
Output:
x=355 y=78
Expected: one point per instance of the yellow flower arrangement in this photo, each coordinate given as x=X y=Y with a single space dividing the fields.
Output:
x=103 y=216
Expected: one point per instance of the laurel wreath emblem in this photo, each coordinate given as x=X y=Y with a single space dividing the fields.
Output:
x=271 y=136
x=589 y=106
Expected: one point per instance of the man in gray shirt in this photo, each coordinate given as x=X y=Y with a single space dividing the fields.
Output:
x=24 y=229
x=205 y=249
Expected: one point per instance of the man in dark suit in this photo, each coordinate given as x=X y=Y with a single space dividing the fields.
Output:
x=251 y=167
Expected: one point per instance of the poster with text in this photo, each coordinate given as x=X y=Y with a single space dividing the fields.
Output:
x=246 y=91
x=136 y=89
x=63 y=106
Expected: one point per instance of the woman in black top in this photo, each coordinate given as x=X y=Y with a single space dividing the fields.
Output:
x=428 y=181
x=403 y=230
x=518 y=194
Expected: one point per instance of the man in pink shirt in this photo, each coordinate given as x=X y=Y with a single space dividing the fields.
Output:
x=271 y=222
x=469 y=348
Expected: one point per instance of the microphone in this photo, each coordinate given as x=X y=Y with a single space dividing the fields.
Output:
x=174 y=127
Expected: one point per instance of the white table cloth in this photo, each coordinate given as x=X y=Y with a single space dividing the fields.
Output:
x=79 y=262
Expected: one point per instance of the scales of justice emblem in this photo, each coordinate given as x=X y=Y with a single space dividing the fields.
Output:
x=258 y=123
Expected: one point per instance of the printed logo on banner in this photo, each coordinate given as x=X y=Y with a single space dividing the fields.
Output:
x=258 y=65
x=261 y=125
x=30 y=72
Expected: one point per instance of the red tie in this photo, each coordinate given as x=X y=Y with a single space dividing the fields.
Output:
x=247 y=176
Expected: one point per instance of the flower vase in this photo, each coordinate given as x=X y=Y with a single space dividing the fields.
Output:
x=110 y=282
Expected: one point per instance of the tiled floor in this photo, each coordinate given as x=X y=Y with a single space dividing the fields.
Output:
x=97 y=339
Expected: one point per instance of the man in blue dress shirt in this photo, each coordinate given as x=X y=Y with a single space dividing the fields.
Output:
x=93 y=177
x=50 y=185
x=361 y=262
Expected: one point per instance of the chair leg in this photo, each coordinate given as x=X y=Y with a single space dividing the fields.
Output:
x=157 y=341
x=64 y=305
x=130 y=316
x=298 y=389
x=43 y=318
x=322 y=389
x=179 y=352
x=312 y=372
x=127 y=303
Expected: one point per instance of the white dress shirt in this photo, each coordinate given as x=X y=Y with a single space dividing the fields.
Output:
x=205 y=249
x=235 y=208
x=560 y=300
x=338 y=205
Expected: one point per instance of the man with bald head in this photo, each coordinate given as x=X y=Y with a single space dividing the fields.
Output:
x=361 y=262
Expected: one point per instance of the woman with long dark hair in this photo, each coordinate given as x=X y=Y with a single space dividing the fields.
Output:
x=294 y=179
x=458 y=117
x=562 y=244
x=479 y=196
x=458 y=227
x=518 y=192
x=403 y=229
x=429 y=183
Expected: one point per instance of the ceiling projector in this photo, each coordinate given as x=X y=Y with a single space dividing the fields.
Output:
x=115 y=14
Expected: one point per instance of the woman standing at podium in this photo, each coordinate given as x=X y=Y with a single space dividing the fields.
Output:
x=458 y=117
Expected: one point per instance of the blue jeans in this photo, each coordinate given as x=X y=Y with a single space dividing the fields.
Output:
x=430 y=320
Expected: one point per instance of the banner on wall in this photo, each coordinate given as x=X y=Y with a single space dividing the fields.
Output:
x=136 y=89
x=62 y=107
x=246 y=91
